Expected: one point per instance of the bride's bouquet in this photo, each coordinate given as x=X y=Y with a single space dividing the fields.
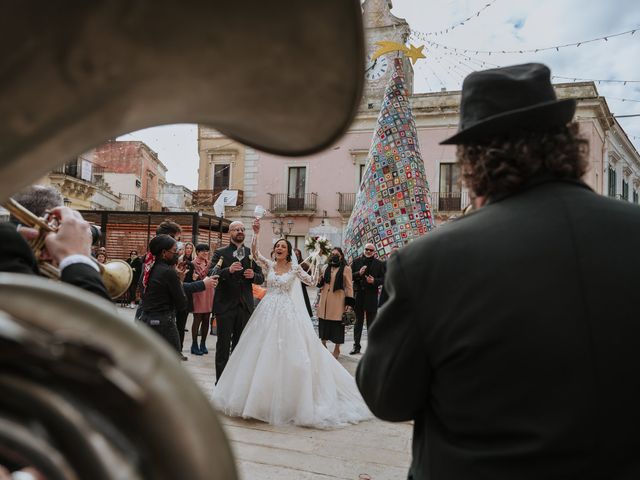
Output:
x=319 y=249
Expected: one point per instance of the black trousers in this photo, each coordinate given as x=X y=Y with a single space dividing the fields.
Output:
x=361 y=313
x=181 y=323
x=230 y=325
x=164 y=324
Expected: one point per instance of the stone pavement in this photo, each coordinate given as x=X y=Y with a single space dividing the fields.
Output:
x=374 y=449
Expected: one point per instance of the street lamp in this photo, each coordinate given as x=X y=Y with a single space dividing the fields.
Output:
x=278 y=227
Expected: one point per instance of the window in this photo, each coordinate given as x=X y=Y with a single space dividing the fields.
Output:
x=635 y=196
x=450 y=187
x=297 y=241
x=296 y=190
x=612 y=182
x=361 y=173
x=625 y=190
x=221 y=177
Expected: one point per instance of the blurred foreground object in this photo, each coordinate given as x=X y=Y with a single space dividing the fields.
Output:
x=285 y=78
x=89 y=395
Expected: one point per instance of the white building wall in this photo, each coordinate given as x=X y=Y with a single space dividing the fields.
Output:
x=124 y=183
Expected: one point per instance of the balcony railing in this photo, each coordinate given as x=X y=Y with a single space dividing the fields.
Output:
x=440 y=201
x=81 y=169
x=449 y=201
x=206 y=198
x=133 y=203
x=282 y=203
x=346 y=202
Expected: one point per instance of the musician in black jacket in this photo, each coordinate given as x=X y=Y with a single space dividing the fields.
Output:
x=69 y=247
x=233 y=301
x=368 y=276
x=511 y=336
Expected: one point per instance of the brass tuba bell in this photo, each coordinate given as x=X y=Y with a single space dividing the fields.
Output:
x=116 y=275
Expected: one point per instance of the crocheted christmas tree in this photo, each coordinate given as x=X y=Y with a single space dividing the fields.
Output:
x=392 y=204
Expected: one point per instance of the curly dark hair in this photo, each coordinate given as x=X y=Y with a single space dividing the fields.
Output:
x=503 y=164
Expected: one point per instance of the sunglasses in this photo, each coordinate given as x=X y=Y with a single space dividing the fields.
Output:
x=368 y=250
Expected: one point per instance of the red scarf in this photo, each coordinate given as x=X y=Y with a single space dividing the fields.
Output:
x=147 y=265
x=201 y=268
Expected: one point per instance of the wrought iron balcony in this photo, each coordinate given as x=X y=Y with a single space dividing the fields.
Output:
x=283 y=203
x=449 y=201
x=206 y=198
x=82 y=170
x=346 y=202
x=133 y=203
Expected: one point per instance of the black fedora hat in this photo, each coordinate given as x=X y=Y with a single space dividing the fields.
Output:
x=502 y=100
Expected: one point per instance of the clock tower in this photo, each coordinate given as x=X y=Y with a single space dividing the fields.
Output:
x=381 y=25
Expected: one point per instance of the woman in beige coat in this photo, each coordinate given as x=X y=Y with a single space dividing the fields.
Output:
x=336 y=297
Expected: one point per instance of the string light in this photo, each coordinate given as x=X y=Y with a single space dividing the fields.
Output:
x=623 y=99
x=423 y=36
x=601 y=80
x=462 y=22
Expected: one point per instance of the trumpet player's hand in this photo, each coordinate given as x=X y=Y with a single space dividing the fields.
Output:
x=73 y=236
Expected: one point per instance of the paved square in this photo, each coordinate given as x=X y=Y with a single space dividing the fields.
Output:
x=378 y=449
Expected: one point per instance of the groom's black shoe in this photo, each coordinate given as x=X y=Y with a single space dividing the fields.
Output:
x=355 y=351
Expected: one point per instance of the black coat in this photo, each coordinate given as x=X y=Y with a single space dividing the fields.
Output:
x=234 y=290
x=16 y=256
x=511 y=338
x=136 y=267
x=164 y=292
x=367 y=293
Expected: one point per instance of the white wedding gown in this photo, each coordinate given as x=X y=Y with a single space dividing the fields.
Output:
x=279 y=372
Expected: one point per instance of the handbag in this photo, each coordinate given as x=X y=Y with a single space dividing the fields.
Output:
x=349 y=318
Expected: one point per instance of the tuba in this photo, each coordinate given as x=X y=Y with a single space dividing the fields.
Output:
x=116 y=275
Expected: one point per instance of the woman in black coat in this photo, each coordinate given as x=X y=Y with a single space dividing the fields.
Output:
x=162 y=292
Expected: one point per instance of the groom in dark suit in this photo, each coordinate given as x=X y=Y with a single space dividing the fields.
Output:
x=511 y=335
x=233 y=301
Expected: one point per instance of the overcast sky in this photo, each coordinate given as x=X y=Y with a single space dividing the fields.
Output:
x=503 y=25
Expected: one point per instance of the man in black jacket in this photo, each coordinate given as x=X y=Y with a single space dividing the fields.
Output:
x=233 y=301
x=510 y=336
x=368 y=275
x=70 y=247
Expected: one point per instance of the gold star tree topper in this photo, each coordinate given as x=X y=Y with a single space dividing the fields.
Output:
x=413 y=52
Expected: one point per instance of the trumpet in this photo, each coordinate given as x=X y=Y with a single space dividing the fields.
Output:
x=116 y=275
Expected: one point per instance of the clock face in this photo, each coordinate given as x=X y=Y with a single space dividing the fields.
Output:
x=376 y=69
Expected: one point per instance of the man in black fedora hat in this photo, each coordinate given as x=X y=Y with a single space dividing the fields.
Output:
x=510 y=336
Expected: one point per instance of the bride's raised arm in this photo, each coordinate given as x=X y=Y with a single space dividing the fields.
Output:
x=262 y=261
x=304 y=276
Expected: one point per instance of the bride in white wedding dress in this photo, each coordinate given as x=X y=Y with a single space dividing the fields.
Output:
x=279 y=372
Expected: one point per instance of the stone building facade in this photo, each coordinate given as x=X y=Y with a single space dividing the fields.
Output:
x=317 y=193
x=134 y=171
x=176 y=198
